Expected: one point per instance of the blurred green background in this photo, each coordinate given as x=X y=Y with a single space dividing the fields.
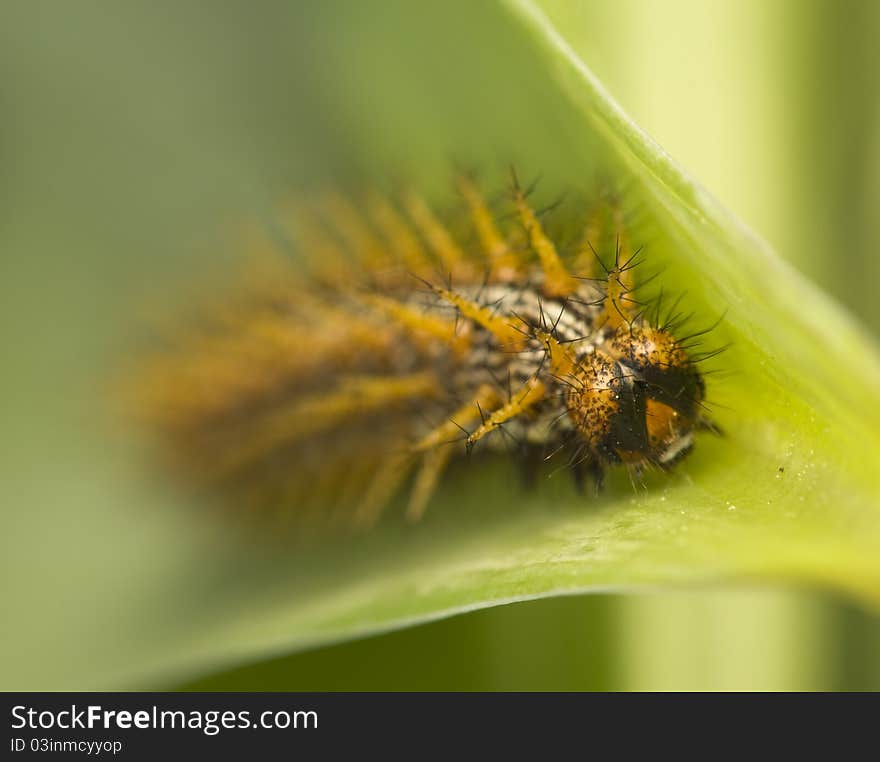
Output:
x=114 y=118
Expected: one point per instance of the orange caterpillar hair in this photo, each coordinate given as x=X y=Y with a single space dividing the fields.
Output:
x=317 y=390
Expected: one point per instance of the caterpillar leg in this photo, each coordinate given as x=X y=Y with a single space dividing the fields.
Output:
x=591 y=468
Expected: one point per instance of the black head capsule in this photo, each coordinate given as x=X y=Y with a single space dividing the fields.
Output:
x=637 y=398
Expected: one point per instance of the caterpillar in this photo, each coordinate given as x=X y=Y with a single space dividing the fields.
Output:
x=321 y=386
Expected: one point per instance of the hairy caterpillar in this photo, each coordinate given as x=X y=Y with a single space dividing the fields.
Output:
x=318 y=390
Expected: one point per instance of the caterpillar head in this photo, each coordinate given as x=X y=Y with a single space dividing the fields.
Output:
x=637 y=397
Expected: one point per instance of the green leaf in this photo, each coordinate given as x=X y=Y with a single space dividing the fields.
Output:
x=116 y=585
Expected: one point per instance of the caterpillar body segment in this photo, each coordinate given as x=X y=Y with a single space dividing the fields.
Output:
x=323 y=396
